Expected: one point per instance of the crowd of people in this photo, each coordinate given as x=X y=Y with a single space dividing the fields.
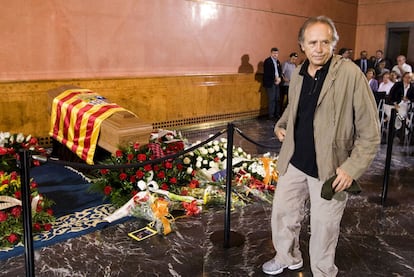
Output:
x=393 y=82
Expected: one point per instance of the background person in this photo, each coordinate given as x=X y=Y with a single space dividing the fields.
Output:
x=272 y=77
x=330 y=128
x=287 y=70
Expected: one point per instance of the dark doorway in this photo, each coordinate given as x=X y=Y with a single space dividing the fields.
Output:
x=400 y=41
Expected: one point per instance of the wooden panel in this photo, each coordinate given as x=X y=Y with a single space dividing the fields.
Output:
x=173 y=101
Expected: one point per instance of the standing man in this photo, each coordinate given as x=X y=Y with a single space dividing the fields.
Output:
x=330 y=129
x=363 y=62
x=272 y=77
x=287 y=70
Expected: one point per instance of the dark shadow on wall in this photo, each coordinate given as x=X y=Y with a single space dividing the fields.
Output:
x=245 y=66
x=258 y=76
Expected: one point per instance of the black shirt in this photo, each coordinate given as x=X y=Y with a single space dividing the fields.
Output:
x=304 y=156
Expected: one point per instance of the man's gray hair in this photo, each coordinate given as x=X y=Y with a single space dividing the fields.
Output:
x=319 y=19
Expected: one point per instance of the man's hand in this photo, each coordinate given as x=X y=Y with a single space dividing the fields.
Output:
x=277 y=80
x=342 y=180
x=280 y=133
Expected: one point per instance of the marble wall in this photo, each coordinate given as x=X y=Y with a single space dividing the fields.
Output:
x=44 y=40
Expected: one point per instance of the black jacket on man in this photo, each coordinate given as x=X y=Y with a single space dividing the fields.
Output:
x=269 y=72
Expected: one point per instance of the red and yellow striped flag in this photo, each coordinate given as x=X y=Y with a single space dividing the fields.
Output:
x=76 y=118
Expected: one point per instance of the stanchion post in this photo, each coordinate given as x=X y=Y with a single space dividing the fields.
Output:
x=390 y=141
x=236 y=239
x=27 y=212
x=229 y=177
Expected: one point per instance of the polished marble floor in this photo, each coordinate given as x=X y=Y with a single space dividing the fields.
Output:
x=375 y=240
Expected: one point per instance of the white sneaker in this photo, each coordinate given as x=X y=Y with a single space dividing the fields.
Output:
x=272 y=267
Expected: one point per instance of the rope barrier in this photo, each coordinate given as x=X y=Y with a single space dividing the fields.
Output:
x=253 y=142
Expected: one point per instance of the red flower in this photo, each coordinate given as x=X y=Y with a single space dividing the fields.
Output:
x=16 y=211
x=180 y=167
x=18 y=194
x=13 y=175
x=118 y=153
x=37 y=227
x=139 y=174
x=156 y=167
x=123 y=176
x=173 y=180
x=161 y=174
x=130 y=157
x=164 y=186
x=5 y=182
x=191 y=208
x=132 y=179
x=33 y=141
x=36 y=163
x=3 y=216
x=184 y=192
x=33 y=185
x=168 y=165
x=3 y=151
x=194 y=184
x=148 y=167
x=216 y=159
x=49 y=211
x=107 y=190
x=13 y=238
x=141 y=157
x=136 y=146
x=104 y=171
x=47 y=226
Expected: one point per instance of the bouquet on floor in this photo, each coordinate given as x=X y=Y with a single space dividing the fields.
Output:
x=186 y=183
x=154 y=204
x=11 y=144
x=11 y=219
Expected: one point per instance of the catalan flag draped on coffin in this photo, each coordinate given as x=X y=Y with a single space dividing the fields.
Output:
x=76 y=118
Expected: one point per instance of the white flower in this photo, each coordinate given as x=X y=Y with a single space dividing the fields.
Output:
x=203 y=151
x=199 y=159
x=20 y=138
x=198 y=164
x=211 y=150
x=190 y=170
x=225 y=145
x=187 y=160
x=249 y=157
x=28 y=138
x=216 y=148
x=205 y=162
x=210 y=143
x=212 y=164
x=216 y=142
x=223 y=140
x=220 y=155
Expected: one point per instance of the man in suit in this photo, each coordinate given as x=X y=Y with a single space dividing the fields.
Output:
x=272 y=77
x=363 y=62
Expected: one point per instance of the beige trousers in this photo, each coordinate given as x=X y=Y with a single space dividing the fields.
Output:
x=293 y=189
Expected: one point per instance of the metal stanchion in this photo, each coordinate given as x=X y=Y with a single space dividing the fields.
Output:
x=27 y=212
x=230 y=238
x=390 y=141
